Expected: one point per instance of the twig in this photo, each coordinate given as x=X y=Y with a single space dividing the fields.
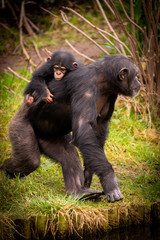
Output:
x=37 y=51
x=110 y=42
x=4 y=26
x=66 y=21
x=16 y=49
x=99 y=29
x=108 y=23
x=46 y=10
x=21 y=35
x=27 y=25
x=129 y=19
x=81 y=54
x=10 y=90
x=47 y=51
x=132 y=17
x=32 y=24
x=16 y=74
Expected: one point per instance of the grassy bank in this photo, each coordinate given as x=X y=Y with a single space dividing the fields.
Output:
x=132 y=148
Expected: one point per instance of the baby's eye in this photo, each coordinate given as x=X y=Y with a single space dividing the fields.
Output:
x=56 y=68
x=63 y=69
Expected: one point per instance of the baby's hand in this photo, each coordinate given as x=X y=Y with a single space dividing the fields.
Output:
x=49 y=98
x=28 y=100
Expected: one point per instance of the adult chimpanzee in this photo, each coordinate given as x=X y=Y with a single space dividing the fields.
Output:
x=86 y=109
x=60 y=63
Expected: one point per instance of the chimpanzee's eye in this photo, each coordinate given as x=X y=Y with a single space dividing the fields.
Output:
x=63 y=69
x=56 y=68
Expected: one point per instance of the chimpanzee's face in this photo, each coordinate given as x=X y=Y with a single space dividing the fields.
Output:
x=129 y=84
x=59 y=72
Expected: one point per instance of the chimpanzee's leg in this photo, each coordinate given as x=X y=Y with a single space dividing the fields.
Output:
x=88 y=174
x=101 y=134
x=25 y=151
x=64 y=152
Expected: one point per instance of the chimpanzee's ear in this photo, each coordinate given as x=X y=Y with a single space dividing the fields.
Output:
x=123 y=74
x=75 y=64
x=49 y=58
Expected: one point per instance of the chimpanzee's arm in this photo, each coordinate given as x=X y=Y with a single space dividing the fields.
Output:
x=104 y=115
x=39 y=81
x=84 y=124
x=84 y=120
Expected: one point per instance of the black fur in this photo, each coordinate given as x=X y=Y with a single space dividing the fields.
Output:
x=43 y=75
x=84 y=103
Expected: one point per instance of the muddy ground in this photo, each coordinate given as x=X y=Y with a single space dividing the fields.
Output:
x=18 y=61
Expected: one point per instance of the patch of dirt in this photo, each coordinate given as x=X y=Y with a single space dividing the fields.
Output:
x=18 y=61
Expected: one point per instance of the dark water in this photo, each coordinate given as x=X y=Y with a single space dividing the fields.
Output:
x=132 y=233
x=128 y=233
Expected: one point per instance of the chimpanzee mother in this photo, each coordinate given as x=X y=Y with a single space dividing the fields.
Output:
x=84 y=103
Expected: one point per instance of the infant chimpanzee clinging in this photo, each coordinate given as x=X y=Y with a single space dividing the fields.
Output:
x=56 y=67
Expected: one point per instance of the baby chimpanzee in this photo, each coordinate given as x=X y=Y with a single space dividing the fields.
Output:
x=56 y=67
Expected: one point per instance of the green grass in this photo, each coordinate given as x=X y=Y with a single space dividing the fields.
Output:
x=131 y=148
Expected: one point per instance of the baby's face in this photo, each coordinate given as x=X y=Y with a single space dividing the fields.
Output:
x=59 y=72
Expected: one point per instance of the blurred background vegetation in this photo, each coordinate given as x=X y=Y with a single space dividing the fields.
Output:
x=128 y=27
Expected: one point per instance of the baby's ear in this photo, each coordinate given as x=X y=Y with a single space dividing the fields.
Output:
x=75 y=64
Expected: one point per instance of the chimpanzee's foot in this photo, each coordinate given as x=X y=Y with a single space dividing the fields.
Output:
x=9 y=175
x=88 y=193
x=111 y=187
x=114 y=195
x=12 y=175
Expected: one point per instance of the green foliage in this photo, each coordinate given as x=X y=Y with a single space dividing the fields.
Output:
x=138 y=12
x=8 y=39
x=133 y=153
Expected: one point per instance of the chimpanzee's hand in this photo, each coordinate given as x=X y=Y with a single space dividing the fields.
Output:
x=28 y=100
x=49 y=97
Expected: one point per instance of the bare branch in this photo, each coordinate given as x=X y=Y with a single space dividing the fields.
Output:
x=107 y=39
x=32 y=24
x=10 y=90
x=47 y=51
x=66 y=21
x=108 y=23
x=132 y=16
x=81 y=54
x=16 y=74
x=46 y=10
x=28 y=27
x=99 y=29
x=21 y=35
x=129 y=19
x=4 y=26
x=37 y=51
x=26 y=24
